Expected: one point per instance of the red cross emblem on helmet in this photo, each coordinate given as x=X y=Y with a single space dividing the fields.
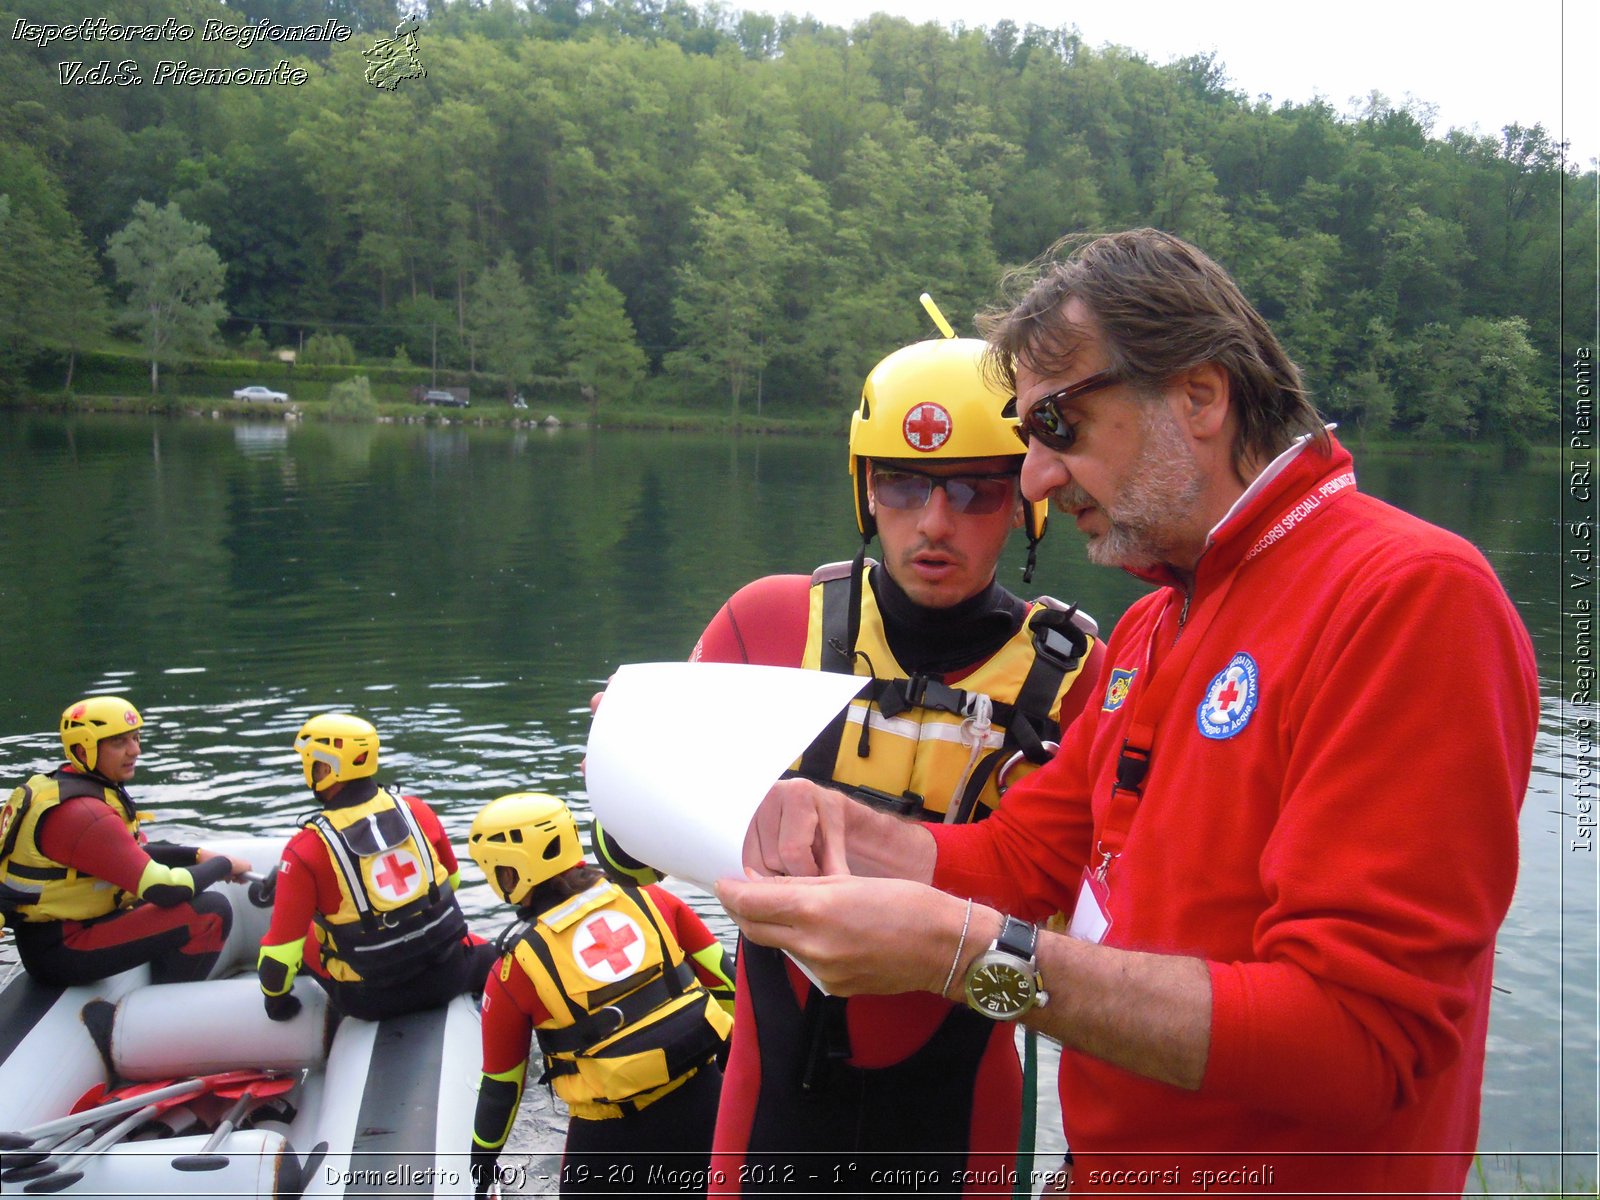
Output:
x=927 y=427
x=608 y=946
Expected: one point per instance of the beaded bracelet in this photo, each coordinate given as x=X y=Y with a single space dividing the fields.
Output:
x=960 y=946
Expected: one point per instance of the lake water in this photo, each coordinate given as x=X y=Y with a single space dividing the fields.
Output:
x=468 y=589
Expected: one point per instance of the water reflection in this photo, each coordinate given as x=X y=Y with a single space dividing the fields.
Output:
x=258 y=441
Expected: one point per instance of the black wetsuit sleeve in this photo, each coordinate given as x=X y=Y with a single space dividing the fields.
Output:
x=170 y=854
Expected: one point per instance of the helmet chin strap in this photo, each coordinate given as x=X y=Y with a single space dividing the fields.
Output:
x=858 y=569
x=1033 y=558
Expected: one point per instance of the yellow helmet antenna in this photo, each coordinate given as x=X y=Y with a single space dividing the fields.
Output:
x=938 y=317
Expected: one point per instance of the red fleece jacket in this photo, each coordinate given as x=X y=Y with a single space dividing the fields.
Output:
x=1329 y=821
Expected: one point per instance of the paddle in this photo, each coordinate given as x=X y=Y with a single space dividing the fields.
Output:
x=206 y=1158
x=40 y=1165
x=23 y=1139
x=124 y=1100
x=35 y=1162
x=66 y=1173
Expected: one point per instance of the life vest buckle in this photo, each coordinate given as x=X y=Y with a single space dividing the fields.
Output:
x=1132 y=763
x=1003 y=776
x=609 y=1013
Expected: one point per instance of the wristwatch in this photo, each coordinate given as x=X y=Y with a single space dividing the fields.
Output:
x=1004 y=981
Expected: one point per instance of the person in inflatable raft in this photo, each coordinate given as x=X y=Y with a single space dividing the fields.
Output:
x=84 y=892
x=364 y=895
x=616 y=983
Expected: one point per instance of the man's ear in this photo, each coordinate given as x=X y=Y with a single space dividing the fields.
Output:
x=1207 y=399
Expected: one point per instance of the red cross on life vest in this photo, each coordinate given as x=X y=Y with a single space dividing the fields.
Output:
x=609 y=944
x=927 y=427
x=395 y=875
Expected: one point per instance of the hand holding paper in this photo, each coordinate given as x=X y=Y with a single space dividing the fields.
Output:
x=679 y=800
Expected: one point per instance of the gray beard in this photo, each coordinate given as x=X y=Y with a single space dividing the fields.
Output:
x=1163 y=488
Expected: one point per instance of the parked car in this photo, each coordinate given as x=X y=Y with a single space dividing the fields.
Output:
x=257 y=392
x=445 y=399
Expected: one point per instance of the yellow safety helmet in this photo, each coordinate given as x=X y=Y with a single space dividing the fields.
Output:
x=529 y=833
x=933 y=400
x=346 y=743
x=87 y=723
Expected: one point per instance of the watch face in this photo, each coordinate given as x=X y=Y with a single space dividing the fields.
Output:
x=1000 y=989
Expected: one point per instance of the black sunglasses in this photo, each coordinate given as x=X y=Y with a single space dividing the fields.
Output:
x=1048 y=423
x=977 y=495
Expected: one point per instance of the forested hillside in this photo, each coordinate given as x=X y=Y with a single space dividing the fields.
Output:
x=756 y=204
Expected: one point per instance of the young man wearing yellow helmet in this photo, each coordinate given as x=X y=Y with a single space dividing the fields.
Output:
x=971 y=687
x=365 y=894
x=86 y=894
x=616 y=982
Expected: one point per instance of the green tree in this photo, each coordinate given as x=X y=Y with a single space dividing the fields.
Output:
x=254 y=344
x=51 y=298
x=328 y=349
x=173 y=279
x=726 y=304
x=50 y=293
x=504 y=323
x=598 y=349
x=1477 y=377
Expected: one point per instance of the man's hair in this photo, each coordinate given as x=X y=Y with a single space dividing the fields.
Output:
x=1161 y=306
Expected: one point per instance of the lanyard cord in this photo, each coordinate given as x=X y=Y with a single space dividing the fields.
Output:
x=1150 y=704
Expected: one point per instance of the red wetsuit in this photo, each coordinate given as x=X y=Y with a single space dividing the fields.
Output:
x=973 y=1083
x=308 y=884
x=617 y=1154
x=178 y=932
x=1329 y=820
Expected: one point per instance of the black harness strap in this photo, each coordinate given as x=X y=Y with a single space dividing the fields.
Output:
x=1059 y=647
x=967 y=806
x=622 y=1012
x=841 y=611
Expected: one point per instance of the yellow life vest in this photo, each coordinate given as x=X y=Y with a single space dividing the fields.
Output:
x=918 y=746
x=35 y=888
x=629 y=1020
x=396 y=908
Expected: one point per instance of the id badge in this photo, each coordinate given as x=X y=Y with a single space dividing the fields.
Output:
x=1090 y=922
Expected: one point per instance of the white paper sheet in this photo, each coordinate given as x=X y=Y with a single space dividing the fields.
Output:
x=681 y=754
